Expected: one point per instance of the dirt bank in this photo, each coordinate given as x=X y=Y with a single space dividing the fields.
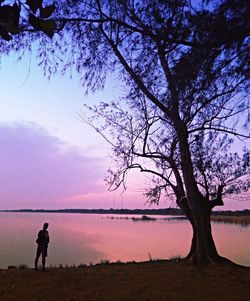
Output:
x=163 y=281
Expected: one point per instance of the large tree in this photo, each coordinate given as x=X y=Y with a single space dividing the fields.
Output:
x=143 y=139
x=189 y=64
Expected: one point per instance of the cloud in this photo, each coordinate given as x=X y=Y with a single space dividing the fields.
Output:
x=36 y=168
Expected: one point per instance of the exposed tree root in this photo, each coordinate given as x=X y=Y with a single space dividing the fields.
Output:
x=218 y=260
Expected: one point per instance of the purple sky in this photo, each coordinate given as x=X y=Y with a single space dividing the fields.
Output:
x=48 y=157
x=38 y=169
x=41 y=171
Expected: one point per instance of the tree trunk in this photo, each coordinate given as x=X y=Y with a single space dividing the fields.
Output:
x=203 y=250
x=196 y=207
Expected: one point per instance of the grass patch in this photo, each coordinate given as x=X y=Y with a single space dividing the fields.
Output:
x=22 y=266
x=104 y=261
x=81 y=265
x=175 y=258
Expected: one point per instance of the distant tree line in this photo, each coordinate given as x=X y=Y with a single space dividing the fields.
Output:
x=164 y=211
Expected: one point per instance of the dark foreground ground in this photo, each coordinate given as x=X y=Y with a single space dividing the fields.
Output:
x=163 y=281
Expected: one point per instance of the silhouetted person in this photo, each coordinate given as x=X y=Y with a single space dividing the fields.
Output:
x=42 y=245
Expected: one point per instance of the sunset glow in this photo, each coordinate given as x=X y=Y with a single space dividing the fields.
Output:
x=49 y=157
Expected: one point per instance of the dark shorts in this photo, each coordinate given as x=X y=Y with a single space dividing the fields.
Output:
x=41 y=249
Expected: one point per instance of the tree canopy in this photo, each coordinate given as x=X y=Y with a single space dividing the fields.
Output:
x=89 y=30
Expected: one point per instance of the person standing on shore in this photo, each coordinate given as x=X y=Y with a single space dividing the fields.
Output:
x=42 y=245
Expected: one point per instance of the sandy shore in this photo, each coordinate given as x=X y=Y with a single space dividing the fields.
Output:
x=163 y=281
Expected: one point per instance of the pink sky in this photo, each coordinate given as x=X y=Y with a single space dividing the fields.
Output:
x=39 y=170
x=48 y=157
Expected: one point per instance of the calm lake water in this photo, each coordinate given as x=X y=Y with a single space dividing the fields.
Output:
x=86 y=238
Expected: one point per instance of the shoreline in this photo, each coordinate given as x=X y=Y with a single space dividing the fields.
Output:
x=164 y=211
x=145 y=281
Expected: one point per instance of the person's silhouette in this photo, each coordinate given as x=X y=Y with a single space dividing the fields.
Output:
x=42 y=245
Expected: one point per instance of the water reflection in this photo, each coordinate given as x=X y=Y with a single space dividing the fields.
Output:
x=85 y=238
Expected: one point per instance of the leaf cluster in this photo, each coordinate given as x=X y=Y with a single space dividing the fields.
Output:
x=14 y=18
